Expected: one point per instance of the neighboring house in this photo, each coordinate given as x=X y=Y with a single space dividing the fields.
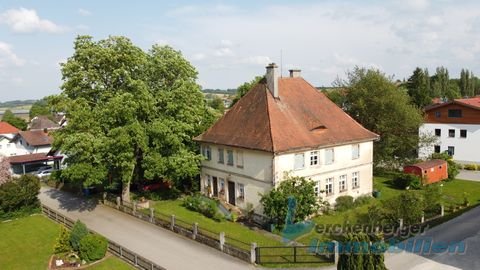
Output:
x=33 y=142
x=43 y=123
x=456 y=125
x=285 y=125
x=430 y=171
x=7 y=135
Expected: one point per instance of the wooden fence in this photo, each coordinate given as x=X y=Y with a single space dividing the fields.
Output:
x=231 y=246
x=116 y=249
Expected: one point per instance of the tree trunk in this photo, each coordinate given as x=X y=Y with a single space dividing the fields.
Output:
x=126 y=191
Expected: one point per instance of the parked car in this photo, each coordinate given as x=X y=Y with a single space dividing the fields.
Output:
x=42 y=173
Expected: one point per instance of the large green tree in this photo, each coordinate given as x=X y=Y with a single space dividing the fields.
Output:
x=132 y=114
x=418 y=86
x=12 y=119
x=379 y=105
x=40 y=107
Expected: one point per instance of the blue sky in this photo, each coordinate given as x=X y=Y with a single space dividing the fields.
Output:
x=230 y=42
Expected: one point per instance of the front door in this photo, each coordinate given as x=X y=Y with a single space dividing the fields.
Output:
x=231 y=193
x=215 y=186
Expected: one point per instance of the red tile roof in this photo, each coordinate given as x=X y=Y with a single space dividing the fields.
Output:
x=31 y=158
x=36 y=137
x=301 y=118
x=429 y=164
x=473 y=102
x=6 y=128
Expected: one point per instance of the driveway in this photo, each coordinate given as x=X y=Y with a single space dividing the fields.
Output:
x=161 y=246
x=469 y=175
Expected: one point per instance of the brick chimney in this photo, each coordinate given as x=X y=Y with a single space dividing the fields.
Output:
x=272 y=79
x=295 y=73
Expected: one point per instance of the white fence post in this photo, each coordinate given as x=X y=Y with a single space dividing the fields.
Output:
x=253 y=253
x=152 y=215
x=442 y=210
x=336 y=252
x=195 y=230
x=134 y=206
x=118 y=203
x=172 y=222
x=104 y=197
x=400 y=220
x=222 y=240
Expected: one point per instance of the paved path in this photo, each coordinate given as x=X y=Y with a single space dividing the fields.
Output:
x=464 y=228
x=165 y=248
x=469 y=175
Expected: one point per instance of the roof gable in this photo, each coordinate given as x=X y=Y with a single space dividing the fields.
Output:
x=36 y=137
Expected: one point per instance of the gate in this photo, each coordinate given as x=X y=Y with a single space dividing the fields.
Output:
x=293 y=255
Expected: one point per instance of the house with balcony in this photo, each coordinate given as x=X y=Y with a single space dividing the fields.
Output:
x=285 y=125
x=456 y=126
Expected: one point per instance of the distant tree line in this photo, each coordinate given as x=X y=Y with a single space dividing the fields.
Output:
x=220 y=91
x=423 y=88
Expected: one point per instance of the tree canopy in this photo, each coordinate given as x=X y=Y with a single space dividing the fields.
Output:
x=12 y=119
x=132 y=114
x=376 y=102
x=40 y=107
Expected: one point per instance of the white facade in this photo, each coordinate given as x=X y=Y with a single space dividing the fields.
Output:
x=338 y=171
x=462 y=141
x=7 y=147
x=18 y=146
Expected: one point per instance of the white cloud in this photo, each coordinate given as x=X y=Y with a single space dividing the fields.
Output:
x=8 y=57
x=84 y=12
x=198 y=56
x=416 y=5
x=256 y=60
x=224 y=51
x=226 y=43
x=24 y=20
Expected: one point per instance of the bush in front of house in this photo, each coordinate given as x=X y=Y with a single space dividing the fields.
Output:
x=19 y=196
x=344 y=203
x=63 y=242
x=362 y=200
x=453 y=167
x=79 y=231
x=404 y=180
x=470 y=167
x=204 y=206
x=93 y=247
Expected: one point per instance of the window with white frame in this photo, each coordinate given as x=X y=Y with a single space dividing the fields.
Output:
x=240 y=159
x=208 y=184
x=355 y=180
x=241 y=191
x=316 y=189
x=314 y=158
x=222 y=185
x=207 y=152
x=299 y=161
x=355 y=151
x=329 y=156
x=329 y=186
x=230 y=157
x=221 y=158
x=342 y=183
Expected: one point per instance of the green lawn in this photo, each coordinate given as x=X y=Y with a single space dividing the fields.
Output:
x=453 y=192
x=231 y=229
x=111 y=263
x=27 y=243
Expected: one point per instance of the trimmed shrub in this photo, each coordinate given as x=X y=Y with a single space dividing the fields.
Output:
x=93 y=247
x=19 y=196
x=470 y=167
x=79 y=231
x=362 y=200
x=404 y=180
x=63 y=242
x=344 y=203
x=204 y=206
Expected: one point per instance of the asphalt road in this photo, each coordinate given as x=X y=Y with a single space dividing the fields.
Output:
x=469 y=175
x=464 y=229
x=161 y=246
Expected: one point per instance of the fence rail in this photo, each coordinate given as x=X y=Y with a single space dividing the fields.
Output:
x=116 y=249
x=228 y=245
x=292 y=255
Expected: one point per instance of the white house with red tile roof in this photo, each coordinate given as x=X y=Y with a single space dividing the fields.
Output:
x=7 y=135
x=285 y=125
x=456 y=125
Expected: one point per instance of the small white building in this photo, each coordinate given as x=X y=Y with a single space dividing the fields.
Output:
x=7 y=142
x=285 y=125
x=456 y=125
